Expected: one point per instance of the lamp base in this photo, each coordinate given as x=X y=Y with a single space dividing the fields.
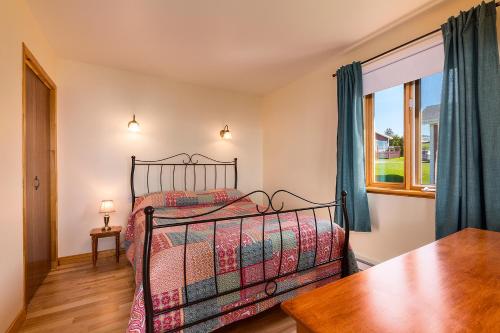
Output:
x=106 y=222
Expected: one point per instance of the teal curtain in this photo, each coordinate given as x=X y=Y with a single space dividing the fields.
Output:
x=350 y=147
x=468 y=176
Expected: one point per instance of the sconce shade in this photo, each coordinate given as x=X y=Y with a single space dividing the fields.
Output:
x=107 y=206
x=133 y=125
x=225 y=133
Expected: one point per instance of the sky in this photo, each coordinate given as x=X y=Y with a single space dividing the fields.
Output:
x=389 y=104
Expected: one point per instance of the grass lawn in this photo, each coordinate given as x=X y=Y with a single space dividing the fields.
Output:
x=392 y=170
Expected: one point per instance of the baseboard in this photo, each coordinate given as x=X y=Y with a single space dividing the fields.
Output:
x=365 y=260
x=16 y=325
x=86 y=257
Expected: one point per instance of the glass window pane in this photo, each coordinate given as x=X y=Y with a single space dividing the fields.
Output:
x=430 y=103
x=389 y=135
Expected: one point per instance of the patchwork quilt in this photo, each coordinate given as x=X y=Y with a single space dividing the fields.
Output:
x=282 y=254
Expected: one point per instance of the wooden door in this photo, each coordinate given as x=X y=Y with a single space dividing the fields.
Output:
x=37 y=182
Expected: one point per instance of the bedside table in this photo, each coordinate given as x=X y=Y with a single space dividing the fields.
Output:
x=97 y=233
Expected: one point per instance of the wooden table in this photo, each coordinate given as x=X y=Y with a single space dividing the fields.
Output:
x=97 y=233
x=451 y=285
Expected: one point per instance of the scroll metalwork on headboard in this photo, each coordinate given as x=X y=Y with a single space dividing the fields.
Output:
x=183 y=172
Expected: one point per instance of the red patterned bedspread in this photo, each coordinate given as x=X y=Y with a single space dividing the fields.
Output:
x=167 y=255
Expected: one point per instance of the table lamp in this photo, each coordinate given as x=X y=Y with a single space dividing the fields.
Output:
x=107 y=206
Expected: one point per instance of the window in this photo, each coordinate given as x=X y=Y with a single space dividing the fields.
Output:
x=402 y=126
x=427 y=128
x=388 y=107
x=402 y=93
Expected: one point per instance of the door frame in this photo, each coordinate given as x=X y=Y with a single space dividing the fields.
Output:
x=30 y=61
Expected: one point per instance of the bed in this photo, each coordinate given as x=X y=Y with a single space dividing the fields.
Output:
x=206 y=255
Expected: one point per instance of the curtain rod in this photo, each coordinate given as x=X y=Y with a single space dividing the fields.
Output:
x=403 y=45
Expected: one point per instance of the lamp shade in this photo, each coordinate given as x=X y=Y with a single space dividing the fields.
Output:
x=133 y=125
x=107 y=206
x=225 y=133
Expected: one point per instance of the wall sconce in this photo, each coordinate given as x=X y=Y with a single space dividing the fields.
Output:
x=133 y=125
x=225 y=133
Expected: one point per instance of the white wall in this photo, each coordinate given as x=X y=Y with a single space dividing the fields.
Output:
x=300 y=130
x=94 y=146
x=16 y=26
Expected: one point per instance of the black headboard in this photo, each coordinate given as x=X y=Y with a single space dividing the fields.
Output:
x=190 y=168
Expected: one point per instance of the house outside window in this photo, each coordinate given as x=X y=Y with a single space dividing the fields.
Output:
x=382 y=141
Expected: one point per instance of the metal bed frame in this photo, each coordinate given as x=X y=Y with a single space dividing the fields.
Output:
x=271 y=286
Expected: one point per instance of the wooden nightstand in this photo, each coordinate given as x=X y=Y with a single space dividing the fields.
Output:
x=97 y=233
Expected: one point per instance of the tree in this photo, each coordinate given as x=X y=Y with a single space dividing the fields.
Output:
x=397 y=141
x=389 y=132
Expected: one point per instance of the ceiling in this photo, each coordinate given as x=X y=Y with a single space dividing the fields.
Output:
x=252 y=46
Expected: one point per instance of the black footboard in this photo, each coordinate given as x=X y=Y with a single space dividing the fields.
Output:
x=271 y=287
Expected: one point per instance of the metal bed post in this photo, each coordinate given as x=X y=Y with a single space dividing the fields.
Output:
x=132 y=170
x=146 y=282
x=235 y=173
x=345 y=250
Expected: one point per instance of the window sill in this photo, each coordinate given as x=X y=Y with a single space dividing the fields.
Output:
x=403 y=192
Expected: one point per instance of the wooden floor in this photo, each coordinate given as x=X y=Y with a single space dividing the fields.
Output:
x=80 y=298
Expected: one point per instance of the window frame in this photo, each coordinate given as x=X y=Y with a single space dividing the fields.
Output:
x=412 y=129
